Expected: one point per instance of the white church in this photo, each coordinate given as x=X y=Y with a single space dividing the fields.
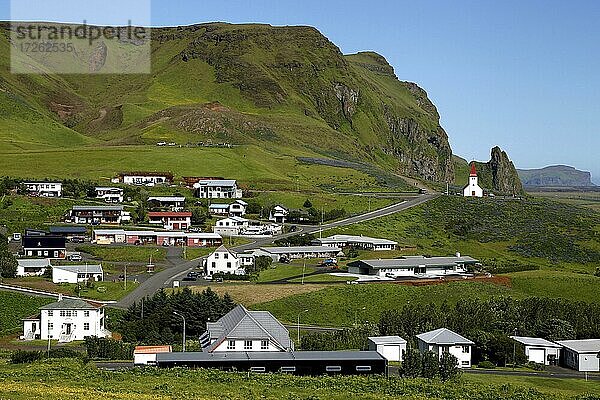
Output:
x=473 y=189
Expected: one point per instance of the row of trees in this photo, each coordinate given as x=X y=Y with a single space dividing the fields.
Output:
x=429 y=365
x=152 y=322
x=8 y=262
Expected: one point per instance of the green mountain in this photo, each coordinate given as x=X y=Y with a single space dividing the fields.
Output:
x=241 y=84
x=556 y=176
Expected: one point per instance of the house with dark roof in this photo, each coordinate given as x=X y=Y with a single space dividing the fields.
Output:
x=442 y=341
x=241 y=330
x=67 y=320
x=42 y=244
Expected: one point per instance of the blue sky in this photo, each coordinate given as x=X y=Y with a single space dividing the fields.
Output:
x=524 y=75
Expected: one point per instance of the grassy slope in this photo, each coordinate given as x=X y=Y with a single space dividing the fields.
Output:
x=54 y=380
x=16 y=306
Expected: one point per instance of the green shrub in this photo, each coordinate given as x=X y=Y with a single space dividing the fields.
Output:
x=486 y=365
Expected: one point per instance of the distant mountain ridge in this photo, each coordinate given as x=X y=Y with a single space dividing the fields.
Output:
x=556 y=176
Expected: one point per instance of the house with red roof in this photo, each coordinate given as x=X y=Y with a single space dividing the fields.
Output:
x=171 y=220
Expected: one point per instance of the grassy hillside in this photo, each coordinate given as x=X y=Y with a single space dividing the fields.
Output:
x=241 y=84
x=15 y=307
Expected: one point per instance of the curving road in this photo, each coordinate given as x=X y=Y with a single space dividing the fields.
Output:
x=180 y=267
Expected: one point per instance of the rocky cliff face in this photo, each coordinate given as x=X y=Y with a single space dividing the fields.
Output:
x=499 y=174
x=556 y=176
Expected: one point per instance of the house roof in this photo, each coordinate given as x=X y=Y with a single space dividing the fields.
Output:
x=240 y=323
x=152 y=349
x=167 y=199
x=105 y=189
x=269 y=356
x=473 y=170
x=98 y=208
x=416 y=261
x=42 y=183
x=387 y=340
x=444 y=336
x=582 y=346
x=355 y=239
x=301 y=249
x=168 y=175
x=68 y=229
x=71 y=304
x=537 y=342
x=34 y=263
x=217 y=182
x=89 y=269
x=220 y=206
x=242 y=202
x=169 y=214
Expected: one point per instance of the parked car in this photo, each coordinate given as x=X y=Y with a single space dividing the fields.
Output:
x=74 y=257
x=190 y=279
x=77 y=240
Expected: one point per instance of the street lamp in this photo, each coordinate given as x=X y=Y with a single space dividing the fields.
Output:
x=356 y=315
x=182 y=317
x=514 y=350
x=299 y=314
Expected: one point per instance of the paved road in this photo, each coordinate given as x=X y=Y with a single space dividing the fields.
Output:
x=179 y=267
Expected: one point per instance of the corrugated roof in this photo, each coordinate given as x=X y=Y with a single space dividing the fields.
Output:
x=268 y=356
x=387 y=340
x=416 y=261
x=68 y=229
x=582 y=346
x=167 y=199
x=444 y=336
x=34 y=263
x=220 y=182
x=98 y=208
x=355 y=239
x=90 y=269
x=301 y=249
x=532 y=341
x=152 y=349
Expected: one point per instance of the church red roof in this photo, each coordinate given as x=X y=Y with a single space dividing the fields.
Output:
x=473 y=170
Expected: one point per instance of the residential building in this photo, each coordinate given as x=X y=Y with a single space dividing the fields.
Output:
x=235 y=209
x=539 y=350
x=581 y=355
x=44 y=245
x=414 y=267
x=110 y=194
x=232 y=226
x=442 y=341
x=144 y=178
x=241 y=330
x=279 y=214
x=171 y=220
x=67 y=320
x=218 y=189
x=296 y=252
x=77 y=273
x=473 y=189
x=171 y=238
x=392 y=348
x=174 y=203
x=146 y=355
x=361 y=242
x=190 y=181
x=32 y=267
x=223 y=261
x=44 y=189
x=95 y=215
x=69 y=232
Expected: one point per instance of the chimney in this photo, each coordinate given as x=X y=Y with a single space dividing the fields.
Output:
x=457 y=254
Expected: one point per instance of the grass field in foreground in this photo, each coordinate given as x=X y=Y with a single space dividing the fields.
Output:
x=60 y=379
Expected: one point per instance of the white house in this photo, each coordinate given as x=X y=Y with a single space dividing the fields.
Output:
x=231 y=226
x=473 y=189
x=279 y=214
x=144 y=178
x=174 y=203
x=539 y=350
x=223 y=261
x=66 y=320
x=171 y=220
x=218 y=189
x=77 y=273
x=146 y=355
x=32 y=267
x=241 y=330
x=392 y=348
x=414 y=267
x=98 y=215
x=44 y=189
x=110 y=194
x=236 y=209
x=442 y=341
x=362 y=242
x=581 y=355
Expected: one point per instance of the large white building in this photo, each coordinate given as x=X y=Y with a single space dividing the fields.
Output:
x=442 y=341
x=232 y=226
x=241 y=330
x=473 y=189
x=539 y=350
x=66 y=320
x=110 y=194
x=44 y=189
x=77 y=273
x=362 y=242
x=223 y=261
x=414 y=267
x=144 y=178
x=218 y=189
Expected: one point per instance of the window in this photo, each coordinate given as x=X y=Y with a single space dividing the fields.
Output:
x=465 y=363
x=50 y=313
x=287 y=369
x=86 y=314
x=74 y=313
x=466 y=349
x=214 y=265
x=61 y=313
x=231 y=345
x=363 y=368
x=86 y=326
x=229 y=265
x=257 y=369
x=247 y=344
x=264 y=345
x=50 y=326
x=216 y=256
x=333 y=368
x=226 y=256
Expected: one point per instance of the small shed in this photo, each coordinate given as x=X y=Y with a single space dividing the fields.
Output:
x=392 y=348
x=539 y=350
x=581 y=355
x=146 y=355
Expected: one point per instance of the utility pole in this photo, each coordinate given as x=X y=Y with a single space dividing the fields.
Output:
x=180 y=315
x=514 y=350
x=125 y=275
x=142 y=308
x=303 y=271
x=298 y=325
x=356 y=316
x=49 y=338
